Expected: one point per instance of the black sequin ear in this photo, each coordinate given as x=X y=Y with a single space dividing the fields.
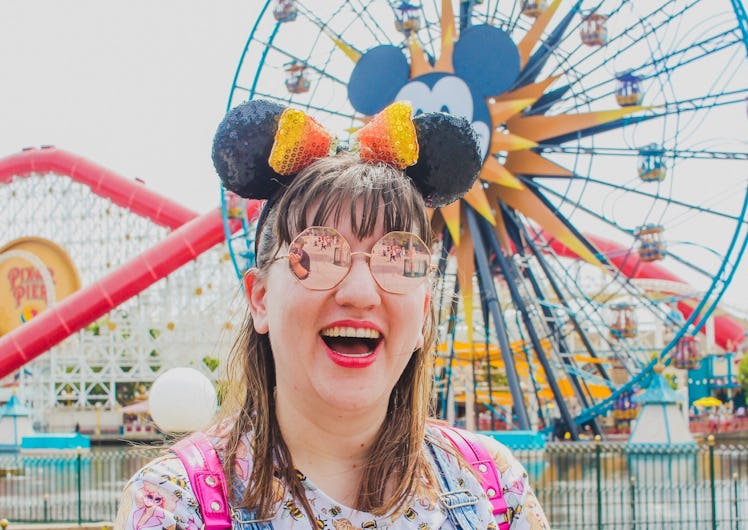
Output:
x=449 y=159
x=242 y=146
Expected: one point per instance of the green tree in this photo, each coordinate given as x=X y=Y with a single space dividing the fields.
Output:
x=743 y=372
x=211 y=362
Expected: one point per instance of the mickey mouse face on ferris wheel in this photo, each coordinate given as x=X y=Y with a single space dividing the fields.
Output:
x=382 y=75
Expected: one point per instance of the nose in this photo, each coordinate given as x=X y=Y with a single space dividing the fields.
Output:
x=358 y=288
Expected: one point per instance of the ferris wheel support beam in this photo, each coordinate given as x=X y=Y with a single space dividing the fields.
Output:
x=486 y=334
x=449 y=389
x=512 y=276
x=558 y=339
x=563 y=346
x=492 y=300
x=557 y=290
x=539 y=257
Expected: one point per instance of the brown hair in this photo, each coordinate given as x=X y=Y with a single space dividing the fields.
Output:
x=320 y=193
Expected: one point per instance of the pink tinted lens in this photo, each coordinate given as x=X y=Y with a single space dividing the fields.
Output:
x=319 y=257
x=400 y=262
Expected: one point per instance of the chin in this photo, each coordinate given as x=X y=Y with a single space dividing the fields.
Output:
x=354 y=397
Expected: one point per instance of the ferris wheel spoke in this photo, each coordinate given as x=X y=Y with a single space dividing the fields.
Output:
x=575 y=204
x=696 y=51
x=695 y=208
x=603 y=258
x=604 y=127
x=588 y=309
x=370 y=24
x=658 y=66
x=687 y=262
x=307 y=106
x=538 y=60
x=291 y=57
x=709 y=101
x=651 y=30
x=682 y=154
x=579 y=65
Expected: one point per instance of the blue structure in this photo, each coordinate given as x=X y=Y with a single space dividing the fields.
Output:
x=518 y=439
x=530 y=441
x=714 y=374
x=661 y=425
x=15 y=423
x=660 y=421
x=50 y=442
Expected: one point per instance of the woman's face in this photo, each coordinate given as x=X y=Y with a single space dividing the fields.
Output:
x=345 y=347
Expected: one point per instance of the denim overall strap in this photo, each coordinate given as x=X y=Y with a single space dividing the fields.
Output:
x=247 y=520
x=485 y=468
x=459 y=502
x=244 y=519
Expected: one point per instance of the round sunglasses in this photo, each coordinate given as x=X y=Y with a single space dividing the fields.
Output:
x=320 y=258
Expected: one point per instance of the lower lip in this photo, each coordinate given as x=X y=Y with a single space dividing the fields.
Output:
x=346 y=361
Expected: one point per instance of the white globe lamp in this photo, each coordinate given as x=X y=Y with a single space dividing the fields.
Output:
x=182 y=400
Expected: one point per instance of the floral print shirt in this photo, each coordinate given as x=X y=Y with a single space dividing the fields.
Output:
x=160 y=496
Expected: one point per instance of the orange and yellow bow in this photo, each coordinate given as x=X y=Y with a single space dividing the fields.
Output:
x=389 y=137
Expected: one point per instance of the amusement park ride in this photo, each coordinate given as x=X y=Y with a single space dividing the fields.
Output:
x=594 y=118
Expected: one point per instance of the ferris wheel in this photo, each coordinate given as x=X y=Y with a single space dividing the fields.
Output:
x=610 y=213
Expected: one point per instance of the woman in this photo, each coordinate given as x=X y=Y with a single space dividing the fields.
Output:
x=326 y=421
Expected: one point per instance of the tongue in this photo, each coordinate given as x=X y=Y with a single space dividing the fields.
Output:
x=349 y=346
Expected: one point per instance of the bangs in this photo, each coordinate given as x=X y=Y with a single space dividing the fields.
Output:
x=340 y=186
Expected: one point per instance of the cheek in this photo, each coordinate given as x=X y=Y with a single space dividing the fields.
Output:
x=411 y=313
x=289 y=306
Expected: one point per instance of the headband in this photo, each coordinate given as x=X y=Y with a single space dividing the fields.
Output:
x=260 y=146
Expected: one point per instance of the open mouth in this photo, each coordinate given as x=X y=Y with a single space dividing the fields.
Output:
x=352 y=342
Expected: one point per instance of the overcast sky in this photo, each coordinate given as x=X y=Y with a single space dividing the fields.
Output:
x=138 y=87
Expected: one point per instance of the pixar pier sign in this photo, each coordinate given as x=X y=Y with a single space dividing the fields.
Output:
x=34 y=274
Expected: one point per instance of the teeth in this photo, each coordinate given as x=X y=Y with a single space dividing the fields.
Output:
x=346 y=331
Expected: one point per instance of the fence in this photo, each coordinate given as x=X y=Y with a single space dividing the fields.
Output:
x=601 y=486
x=83 y=487
x=607 y=486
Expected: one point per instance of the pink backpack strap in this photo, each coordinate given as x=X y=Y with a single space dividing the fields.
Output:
x=207 y=479
x=483 y=464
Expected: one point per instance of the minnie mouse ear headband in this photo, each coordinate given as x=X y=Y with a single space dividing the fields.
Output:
x=260 y=146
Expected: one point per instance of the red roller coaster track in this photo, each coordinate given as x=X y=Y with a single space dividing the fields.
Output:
x=192 y=236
